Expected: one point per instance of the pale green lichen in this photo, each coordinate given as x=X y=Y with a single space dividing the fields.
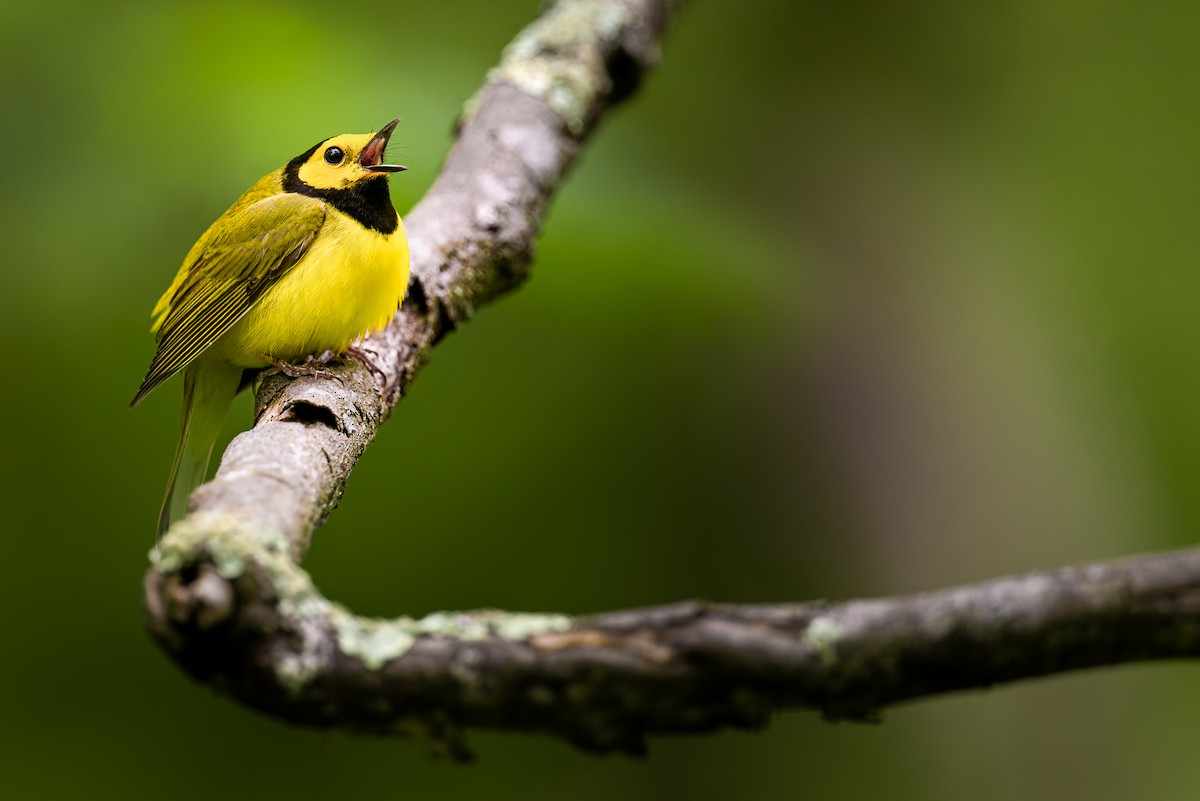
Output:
x=452 y=624
x=232 y=546
x=559 y=57
x=229 y=541
x=377 y=641
x=295 y=669
x=822 y=636
x=510 y=626
x=374 y=641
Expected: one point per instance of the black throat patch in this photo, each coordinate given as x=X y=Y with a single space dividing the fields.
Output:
x=367 y=201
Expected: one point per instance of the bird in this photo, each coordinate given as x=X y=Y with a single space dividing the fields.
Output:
x=311 y=258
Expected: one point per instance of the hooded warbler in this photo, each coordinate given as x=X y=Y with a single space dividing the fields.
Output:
x=309 y=259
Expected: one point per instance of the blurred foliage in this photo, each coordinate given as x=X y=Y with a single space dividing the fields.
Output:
x=853 y=298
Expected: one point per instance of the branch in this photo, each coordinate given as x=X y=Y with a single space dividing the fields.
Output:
x=226 y=598
x=250 y=621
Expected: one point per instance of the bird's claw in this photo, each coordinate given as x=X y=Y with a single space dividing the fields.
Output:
x=368 y=360
x=309 y=368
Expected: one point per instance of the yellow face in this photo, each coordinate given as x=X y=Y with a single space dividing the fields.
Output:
x=335 y=163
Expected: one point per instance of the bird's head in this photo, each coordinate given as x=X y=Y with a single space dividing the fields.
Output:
x=342 y=161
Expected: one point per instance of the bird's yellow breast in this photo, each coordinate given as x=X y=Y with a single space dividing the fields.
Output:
x=349 y=283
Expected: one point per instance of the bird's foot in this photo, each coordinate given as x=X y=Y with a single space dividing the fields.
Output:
x=368 y=359
x=309 y=368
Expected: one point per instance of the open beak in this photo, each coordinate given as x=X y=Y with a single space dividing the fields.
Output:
x=371 y=157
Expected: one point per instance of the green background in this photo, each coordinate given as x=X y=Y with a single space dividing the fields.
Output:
x=854 y=298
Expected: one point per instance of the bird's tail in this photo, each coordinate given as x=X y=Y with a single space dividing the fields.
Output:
x=208 y=389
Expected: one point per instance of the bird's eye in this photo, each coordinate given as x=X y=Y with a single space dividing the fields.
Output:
x=334 y=156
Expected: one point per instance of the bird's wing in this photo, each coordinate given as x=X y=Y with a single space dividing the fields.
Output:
x=254 y=247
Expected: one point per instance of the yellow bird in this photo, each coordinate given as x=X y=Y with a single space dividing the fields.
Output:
x=312 y=257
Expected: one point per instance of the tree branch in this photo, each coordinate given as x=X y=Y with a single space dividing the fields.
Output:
x=247 y=619
x=226 y=598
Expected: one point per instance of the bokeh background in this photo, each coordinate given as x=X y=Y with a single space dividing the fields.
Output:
x=854 y=298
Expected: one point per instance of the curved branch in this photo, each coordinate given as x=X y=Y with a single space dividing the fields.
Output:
x=248 y=619
x=225 y=595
